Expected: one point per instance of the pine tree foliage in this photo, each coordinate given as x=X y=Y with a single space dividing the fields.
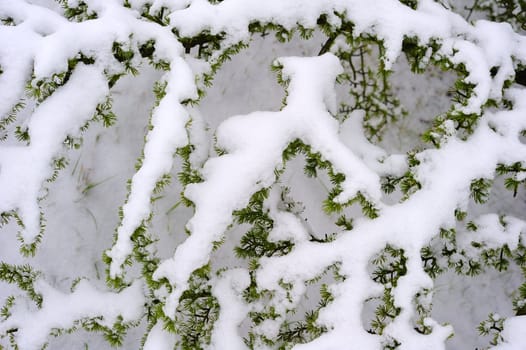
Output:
x=250 y=268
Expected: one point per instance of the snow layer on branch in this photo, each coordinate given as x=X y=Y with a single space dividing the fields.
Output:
x=492 y=232
x=255 y=143
x=23 y=169
x=442 y=191
x=31 y=17
x=15 y=61
x=95 y=38
x=389 y=19
x=49 y=40
x=478 y=48
x=43 y=41
x=19 y=44
x=60 y=310
x=513 y=334
x=167 y=134
x=228 y=290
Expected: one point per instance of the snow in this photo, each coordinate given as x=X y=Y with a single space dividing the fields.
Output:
x=60 y=310
x=168 y=133
x=41 y=44
x=25 y=168
x=390 y=19
x=159 y=339
x=512 y=334
x=493 y=232
x=447 y=190
x=15 y=61
x=227 y=290
x=255 y=143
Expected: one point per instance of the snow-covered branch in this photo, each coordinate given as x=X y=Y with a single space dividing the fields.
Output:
x=258 y=269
